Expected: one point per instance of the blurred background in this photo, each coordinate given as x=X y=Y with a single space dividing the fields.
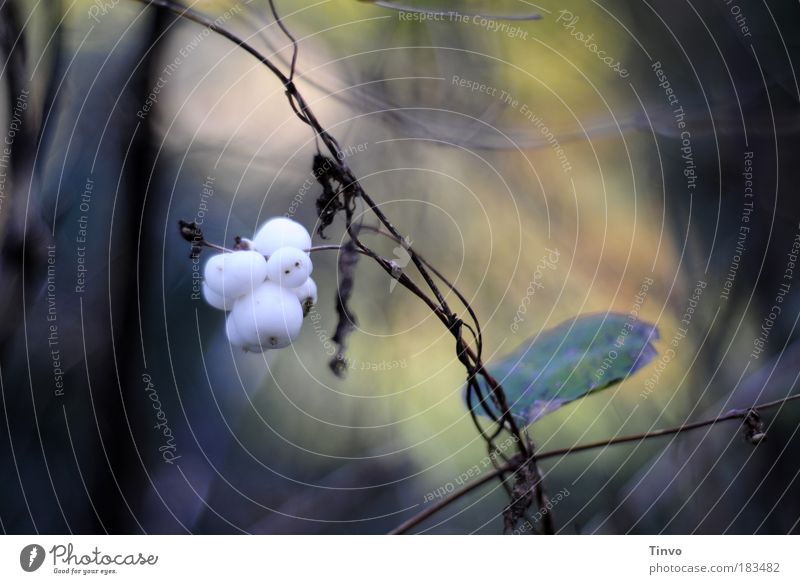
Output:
x=649 y=147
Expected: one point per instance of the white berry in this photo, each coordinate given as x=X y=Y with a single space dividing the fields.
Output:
x=213 y=272
x=235 y=274
x=232 y=332
x=217 y=300
x=307 y=294
x=281 y=232
x=269 y=318
x=237 y=339
x=289 y=267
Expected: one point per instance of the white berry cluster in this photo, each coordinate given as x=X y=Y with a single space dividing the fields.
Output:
x=266 y=286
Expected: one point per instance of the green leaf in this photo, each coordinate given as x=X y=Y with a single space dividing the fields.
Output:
x=565 y=363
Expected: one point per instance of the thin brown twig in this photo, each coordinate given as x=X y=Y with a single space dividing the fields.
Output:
x=738 y=414
x=290 y=36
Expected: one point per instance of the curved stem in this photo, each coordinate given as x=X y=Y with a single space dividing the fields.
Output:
x=189 y=14
x=221 y=248
x=289 y=35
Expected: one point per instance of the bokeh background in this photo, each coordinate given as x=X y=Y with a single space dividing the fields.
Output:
x=123 y=119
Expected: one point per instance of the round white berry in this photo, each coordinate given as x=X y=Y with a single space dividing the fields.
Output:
x=218 y=300
x=235 y=274
x=232 y=332
x=281 y=232
x=237 y=339
x=289 y=267
x=213 y=272
x=269 y=318
x=307 y=295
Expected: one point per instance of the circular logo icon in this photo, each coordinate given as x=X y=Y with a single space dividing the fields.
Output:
x=31 y=557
